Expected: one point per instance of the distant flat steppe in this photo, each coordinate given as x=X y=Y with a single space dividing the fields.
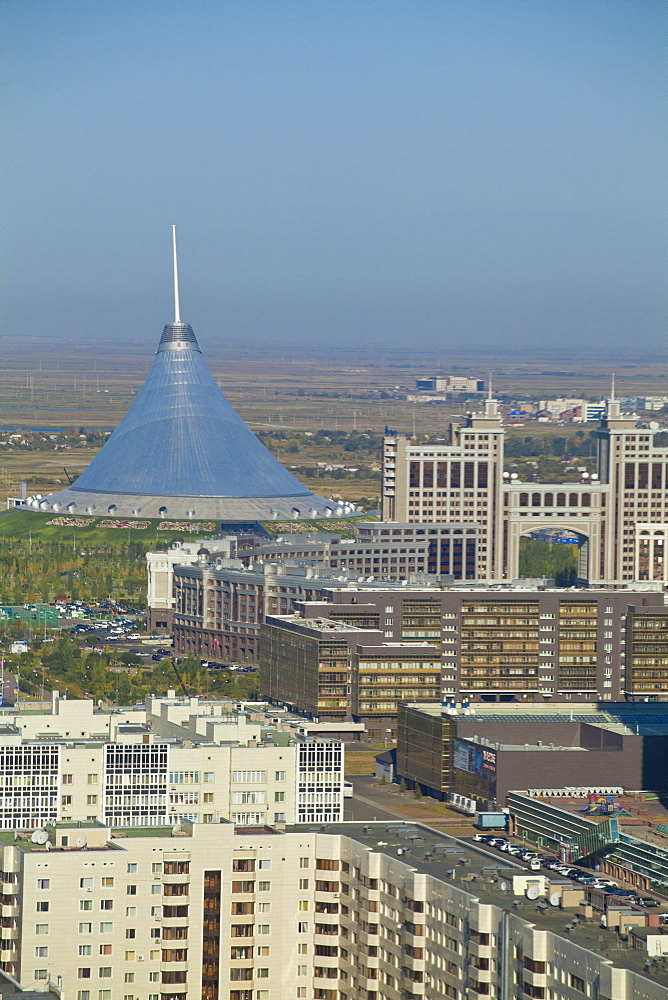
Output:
x=47 y=387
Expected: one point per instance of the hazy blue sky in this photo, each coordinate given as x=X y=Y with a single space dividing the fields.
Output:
x=490 y=172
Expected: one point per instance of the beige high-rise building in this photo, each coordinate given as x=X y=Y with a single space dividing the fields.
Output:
x=379 y=912
x=620 y=515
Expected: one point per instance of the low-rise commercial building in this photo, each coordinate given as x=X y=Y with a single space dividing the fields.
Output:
x=481 y=753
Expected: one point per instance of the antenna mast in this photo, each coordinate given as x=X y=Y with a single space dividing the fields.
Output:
x=177 y=311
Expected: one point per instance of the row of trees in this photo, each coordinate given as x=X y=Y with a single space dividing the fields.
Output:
x=553 y=560
x=40 y=570
x=119 y=677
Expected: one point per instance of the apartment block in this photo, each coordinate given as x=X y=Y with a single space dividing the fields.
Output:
x=523 y=645
x=331 y=670
x=143 y=779
x=380 y=911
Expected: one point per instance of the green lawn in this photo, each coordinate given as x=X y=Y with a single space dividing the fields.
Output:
x=25 y=524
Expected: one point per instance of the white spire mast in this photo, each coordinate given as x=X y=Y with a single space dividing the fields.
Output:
x=177 y=312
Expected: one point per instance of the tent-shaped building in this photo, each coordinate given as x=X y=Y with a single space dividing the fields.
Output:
x=182 y=451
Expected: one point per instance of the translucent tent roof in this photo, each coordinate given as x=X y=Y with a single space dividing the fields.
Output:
x=181 y=437
x=181 y=450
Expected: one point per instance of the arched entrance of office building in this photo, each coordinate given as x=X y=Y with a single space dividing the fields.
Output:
x=555 y=553
x=569 y=510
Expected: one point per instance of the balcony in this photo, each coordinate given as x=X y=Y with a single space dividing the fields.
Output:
x=10 y=910
x=175 y=879
x=175 y=922
x=174 y=967
x=8 y=955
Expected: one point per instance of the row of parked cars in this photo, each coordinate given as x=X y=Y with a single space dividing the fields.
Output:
x=536 y=861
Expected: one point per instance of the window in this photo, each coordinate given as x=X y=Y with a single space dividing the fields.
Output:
x=153 y=977
x=132 y=867
x=156 y=867
x=302 y=927
x=303 y=883
x=41 y=974
x=107 y=880
x=130 y=932
x=106 y=927
x=85 y=904
x=279 y=817
x=105 y=949
x=41 y=928
x=66 y=800
x=106 y=904
x=262 y=928
x=104 y=995
x=208 y=796
x=130 y=911
x=280 y=776
x=43 y=883
x=131 y=890
x=302 y=949
x=302 y=970
x=42 y=906
x=303 y=863
x=85 y=949
x=92 y=779
x=279 y=796
x=156 y=889
x=209 y=777
x=83 y=995
x=129 y=977
x=264 y=864
x=105 y=972
x=303 y=904
x=84 y=973
x=91 y=800
x=42 y=952
x=85 y=883
x=85 y=928
x=263 y=886
x=67 y=779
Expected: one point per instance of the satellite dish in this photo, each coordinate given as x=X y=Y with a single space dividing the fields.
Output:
x=48 y=845
x=555 y=899
x=503 y=886
x=39 y=837
x=533 y=891
x=176 y=829
x=82 y=841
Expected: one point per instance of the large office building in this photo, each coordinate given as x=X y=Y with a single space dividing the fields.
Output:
x=523 y=645
x=620 y=516
x=344 y=912
x=330 y=670
x=215 y=605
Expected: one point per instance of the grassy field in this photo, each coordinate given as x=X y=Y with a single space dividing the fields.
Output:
x=23 y=524
x=289 y=393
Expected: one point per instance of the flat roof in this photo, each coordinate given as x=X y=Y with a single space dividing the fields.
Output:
x=479 y=873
